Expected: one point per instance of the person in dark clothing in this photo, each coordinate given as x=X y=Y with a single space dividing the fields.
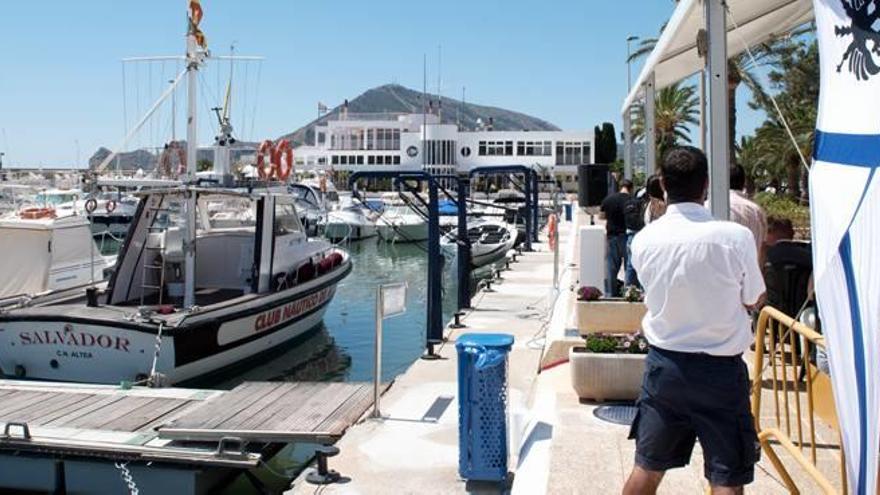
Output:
x=615 y=230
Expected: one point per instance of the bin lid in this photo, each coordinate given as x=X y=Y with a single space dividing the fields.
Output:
x=501 y=341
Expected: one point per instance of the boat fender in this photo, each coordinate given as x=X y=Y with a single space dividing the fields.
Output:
x=305 y=272
x=325 y=265
x=110 y=205
x=336 y=259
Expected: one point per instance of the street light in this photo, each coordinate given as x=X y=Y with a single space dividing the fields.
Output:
x=629 y=40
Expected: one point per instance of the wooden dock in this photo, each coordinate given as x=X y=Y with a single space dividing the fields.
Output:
x=183 y=428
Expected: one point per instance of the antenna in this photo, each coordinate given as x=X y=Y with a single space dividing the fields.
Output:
x=439 y=76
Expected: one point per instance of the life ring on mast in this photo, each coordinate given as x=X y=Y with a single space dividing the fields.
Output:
x=552 y=230
x=91 y=205
x=282 y=160
x=110 y=205
x=165 y=159
x=264 y=170
x=36 y=213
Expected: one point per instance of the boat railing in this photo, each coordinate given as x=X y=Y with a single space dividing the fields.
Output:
x=799 y=423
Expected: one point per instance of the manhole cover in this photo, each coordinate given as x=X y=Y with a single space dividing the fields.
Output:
x=619 y=414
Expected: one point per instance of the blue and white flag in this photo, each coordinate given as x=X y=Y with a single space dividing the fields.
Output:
x=845 y=207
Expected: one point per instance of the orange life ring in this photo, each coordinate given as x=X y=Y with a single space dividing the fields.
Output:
x=91 y=205
x=267 y=148
x=282 y=160
x=36 y=213
x=110 y=205
x=552 y=230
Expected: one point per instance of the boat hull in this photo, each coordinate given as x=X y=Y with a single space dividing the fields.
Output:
x=404 y=232
x=337 y=231
x=80 y=350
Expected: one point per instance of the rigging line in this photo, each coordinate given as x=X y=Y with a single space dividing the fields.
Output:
x=256 y=97
x=124 y=101
x=150 y=95
x=244 y=99
x=772 y=98
x=137 y=94
x=213 y=129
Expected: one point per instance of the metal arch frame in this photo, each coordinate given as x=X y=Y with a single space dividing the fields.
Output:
x=434 y=323
x=531 y=192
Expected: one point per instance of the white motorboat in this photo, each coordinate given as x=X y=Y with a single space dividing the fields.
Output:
x=399 y=222
x=44 y=253
x=311 y=207
x=490 y=241
x=256 y=284
x=109 y=212
x=351 y=222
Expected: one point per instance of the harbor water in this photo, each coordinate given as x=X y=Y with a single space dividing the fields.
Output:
x=342 y=347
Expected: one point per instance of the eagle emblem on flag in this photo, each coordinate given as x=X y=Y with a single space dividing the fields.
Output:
x=864 y=50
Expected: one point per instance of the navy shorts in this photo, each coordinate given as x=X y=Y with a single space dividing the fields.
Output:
x=686 y=397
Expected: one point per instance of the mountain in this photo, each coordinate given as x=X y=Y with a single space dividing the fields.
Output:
x=394 y=98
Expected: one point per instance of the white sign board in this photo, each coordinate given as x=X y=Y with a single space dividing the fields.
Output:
x=393 y=299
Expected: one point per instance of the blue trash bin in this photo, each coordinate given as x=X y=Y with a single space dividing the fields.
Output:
x=567 y=207
x=482 y=405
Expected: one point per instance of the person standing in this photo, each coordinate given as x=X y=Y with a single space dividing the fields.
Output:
x=745 y=211
x=615 y=233
x=701 y=278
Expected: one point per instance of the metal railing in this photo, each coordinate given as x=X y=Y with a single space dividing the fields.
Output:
x=785 y=351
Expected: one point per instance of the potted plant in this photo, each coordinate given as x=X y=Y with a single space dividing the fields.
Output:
x=608 y=366
x=611 y=315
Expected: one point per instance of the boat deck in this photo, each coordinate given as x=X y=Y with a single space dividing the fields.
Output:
x=181 y=426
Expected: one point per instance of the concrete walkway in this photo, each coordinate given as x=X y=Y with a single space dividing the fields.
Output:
x=414 y=447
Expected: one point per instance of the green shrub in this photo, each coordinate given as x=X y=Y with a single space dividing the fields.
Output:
x=784 y=207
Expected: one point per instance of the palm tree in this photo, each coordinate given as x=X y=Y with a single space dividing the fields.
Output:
x=740 y=70
x=676 y=109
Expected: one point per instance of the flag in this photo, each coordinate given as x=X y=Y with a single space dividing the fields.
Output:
x=322 y=108
x=845 y=210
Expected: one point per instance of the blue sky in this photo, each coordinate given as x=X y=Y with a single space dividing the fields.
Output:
x=61 y=79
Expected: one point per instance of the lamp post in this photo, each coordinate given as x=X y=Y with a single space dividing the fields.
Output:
x=629 y=40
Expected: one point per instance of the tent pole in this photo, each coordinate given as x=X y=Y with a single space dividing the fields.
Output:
x=719 y=174
x=650 y=127
x=627 y=144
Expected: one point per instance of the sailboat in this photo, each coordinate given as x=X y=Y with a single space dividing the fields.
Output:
x=208 y=276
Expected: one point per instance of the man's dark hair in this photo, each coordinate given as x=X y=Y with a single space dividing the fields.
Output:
x=685 y=172
x=737 y=177
x=654 y=188
x=626 y=184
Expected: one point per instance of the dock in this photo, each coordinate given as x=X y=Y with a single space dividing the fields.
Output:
x=184 y=440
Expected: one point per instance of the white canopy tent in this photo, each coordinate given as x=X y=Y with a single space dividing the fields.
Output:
x=677 y=57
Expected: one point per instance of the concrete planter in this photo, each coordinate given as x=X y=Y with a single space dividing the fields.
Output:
x=604 y=377
x=609 y=316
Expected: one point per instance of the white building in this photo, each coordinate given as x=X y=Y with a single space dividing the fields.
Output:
x=409 y=142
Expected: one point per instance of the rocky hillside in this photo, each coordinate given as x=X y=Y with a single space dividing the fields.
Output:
x=394 y=98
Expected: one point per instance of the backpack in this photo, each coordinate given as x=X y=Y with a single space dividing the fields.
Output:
x=634 y=213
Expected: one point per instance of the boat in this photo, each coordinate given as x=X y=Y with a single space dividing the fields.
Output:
x=351 y=222
x=311 y=206
x=108 y=211
x=490 y=241
x=207 y=278
x=44 y=254
x=400 y=222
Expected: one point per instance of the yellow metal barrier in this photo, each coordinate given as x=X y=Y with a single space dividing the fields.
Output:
x=783 y=351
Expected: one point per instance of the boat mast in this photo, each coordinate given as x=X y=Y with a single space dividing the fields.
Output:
x=195 y=54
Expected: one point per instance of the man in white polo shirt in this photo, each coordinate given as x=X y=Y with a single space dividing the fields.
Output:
x=701 y=277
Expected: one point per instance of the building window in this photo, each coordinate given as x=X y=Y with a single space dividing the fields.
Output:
x=496 y=148
x=335 y=159
x=371 y=160
x=572 y=152
x=534 y=148
x=360 y=160
x=397 y=159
